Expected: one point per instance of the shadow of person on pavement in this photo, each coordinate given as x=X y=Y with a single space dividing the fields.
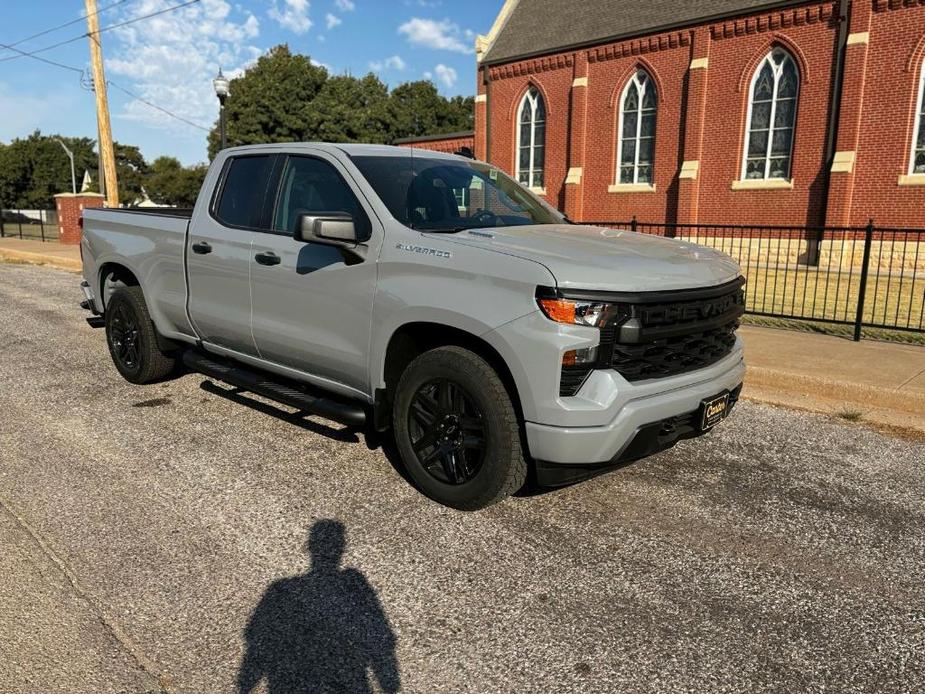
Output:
x=321 y=631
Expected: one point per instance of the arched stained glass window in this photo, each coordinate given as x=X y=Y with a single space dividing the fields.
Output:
x=531 y=139
x=771 y=118
x=918 y=140
x=636 y=138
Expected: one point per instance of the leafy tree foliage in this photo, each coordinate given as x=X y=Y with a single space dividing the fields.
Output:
x=168 y=182
x=284 y=97
x=34 y=169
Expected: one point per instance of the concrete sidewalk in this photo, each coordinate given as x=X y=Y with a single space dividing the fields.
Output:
x=51 y=253
x=879 y=382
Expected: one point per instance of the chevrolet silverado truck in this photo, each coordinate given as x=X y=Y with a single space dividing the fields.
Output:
x=430 y=300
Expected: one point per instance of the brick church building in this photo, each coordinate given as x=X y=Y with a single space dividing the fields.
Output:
x=715 y=111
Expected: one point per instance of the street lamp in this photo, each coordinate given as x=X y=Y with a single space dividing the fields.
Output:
x=220 y=84
x=70 y=155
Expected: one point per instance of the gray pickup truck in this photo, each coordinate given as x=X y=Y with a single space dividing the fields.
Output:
x=428 y=299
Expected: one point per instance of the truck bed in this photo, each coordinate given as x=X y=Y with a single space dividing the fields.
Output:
x=150 y=242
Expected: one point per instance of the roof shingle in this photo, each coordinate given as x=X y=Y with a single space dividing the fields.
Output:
x=542 y=26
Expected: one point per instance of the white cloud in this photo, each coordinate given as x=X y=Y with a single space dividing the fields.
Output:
x=393 y=62
x=332 y=20
x=293 y=15
x=170 y=60
x=428 y=74
x=440 y=35
x=345 y=5
x=447 y=75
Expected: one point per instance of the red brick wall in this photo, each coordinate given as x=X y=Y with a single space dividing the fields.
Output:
x=70 y=207
x=702 y=117
x=448 y=146
x=896 y=52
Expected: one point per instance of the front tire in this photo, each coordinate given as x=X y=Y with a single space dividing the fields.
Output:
x=457 y=431
x=132 y=339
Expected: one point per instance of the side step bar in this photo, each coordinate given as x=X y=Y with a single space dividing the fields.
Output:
x=262 y=384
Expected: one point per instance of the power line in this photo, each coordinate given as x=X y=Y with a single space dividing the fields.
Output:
x=86 y=34
x=159 y=108
x=62 y=26
x=111 y=84
x=23 y=54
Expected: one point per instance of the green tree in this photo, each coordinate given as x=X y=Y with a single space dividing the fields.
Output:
x=286 y=98
x=418 y=109
x=349 y=110
x=34 y=169
x=131 y=168
x=269 y=102
x=170 y=183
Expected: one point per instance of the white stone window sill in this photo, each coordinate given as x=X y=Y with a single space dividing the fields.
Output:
x=912 y=180
x=538 y=190
x=631 y=188
x=763 y=184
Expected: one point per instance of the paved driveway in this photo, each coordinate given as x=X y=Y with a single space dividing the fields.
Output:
x=165 y=537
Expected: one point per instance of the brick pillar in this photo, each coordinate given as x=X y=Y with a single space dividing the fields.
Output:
x=578 y=125
x=70 y=207
x=481 y=115
x=693 y=114
x=841 y=177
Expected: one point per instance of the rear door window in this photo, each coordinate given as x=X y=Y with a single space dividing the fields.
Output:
x=240 y=203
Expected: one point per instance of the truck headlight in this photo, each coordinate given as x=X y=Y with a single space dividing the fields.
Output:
x=591 y=313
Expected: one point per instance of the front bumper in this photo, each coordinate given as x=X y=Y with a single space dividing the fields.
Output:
x=610 y=443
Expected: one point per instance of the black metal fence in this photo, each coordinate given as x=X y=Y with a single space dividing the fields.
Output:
x=29 y=224
x=858 y=277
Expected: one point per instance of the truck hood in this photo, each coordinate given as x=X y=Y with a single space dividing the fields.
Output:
x=595 y=258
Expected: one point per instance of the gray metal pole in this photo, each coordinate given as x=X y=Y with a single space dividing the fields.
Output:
x=70 y=155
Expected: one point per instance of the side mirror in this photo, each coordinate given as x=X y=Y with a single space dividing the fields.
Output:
x=331 y=228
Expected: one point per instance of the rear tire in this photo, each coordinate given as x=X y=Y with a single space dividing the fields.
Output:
x=456 y=430
x=132 y=339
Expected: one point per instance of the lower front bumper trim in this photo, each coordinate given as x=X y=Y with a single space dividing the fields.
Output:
x=648 y=440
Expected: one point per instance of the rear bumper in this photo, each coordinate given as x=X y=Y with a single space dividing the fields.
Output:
x=629 y=431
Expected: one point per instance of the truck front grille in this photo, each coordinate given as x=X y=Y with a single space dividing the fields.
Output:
x=661 y=334
x=667 y=334
x=674 y=355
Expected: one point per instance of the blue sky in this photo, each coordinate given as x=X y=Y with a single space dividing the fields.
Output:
x=169 y=60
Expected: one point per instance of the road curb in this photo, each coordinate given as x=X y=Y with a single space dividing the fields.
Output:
x=885 y=406
x=60 y=263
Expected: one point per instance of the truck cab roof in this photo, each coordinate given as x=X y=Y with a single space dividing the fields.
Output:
x=350 y=149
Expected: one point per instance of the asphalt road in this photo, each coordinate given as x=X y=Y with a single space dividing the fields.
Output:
x=156 y=538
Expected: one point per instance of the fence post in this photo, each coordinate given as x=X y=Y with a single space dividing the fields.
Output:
x=42 y=222
x=19 y=221
x=865 y=268
x=634 y=224
x=2 y=230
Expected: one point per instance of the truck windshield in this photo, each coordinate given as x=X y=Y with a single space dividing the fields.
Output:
x=447 y=195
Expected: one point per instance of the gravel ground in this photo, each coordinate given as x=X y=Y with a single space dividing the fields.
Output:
x=157 y=538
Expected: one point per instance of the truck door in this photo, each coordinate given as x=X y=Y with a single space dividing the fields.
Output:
x=312 y=303
x=219 y=254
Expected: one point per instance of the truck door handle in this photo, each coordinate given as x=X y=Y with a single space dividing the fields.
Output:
x=202 y=248
x=267 y=258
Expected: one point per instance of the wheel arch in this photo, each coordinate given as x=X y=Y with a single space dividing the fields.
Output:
x=120 y=273
x=414 y=338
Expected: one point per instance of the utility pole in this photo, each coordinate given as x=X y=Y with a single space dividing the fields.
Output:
x=107 y=152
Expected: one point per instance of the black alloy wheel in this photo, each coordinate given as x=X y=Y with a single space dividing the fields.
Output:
x=448 y=431
x=132 y=339
x=123 y=335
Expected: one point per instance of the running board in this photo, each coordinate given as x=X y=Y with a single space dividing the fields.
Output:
x=262 y=384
